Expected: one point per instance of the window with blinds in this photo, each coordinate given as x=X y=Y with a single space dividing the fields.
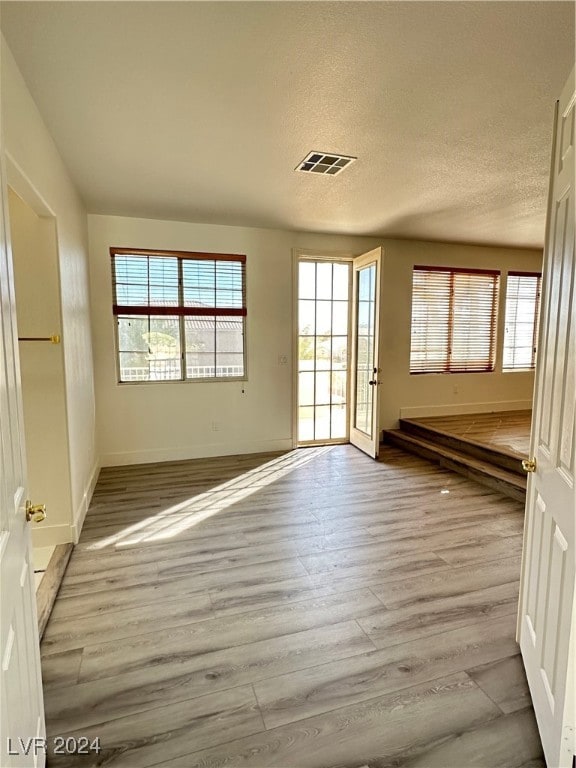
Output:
x=521 y=326
x=454 y=320
x=180 y=316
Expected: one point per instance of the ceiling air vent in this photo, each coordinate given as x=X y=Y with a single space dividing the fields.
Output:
x=324 y=162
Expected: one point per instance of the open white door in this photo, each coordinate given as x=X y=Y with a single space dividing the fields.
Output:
x=22 y=711
x=364 y=410
x=546 y=622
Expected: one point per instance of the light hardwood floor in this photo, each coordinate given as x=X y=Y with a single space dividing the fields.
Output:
x=506 y=429
x=304 y=610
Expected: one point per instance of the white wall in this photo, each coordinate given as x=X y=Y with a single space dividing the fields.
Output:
x=440 y=394
x=35 y=258
x=162 y=421
x=37 y=173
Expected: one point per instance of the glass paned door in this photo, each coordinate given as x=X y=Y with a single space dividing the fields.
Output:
x=364 y=427
x=365 y=320
x=323 y=328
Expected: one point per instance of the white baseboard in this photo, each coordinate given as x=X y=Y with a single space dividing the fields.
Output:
x=80 y=513
x=418 y=411
x=194 y=452
x=51 y=535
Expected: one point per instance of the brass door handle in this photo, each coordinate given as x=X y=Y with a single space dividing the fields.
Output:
x=35 y=513
x=529 y=465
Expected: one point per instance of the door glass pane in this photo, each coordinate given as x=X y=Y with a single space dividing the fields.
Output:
x=366 y=306
x=307 y=280
x=307 y=317
x=340 y=283
x=339 y=352
x=323 y=388
x=322 y=422
x=324 y=317
x=306 y=389
x=306 y=422
x=340 y=318
x=324 y=280
x=323 y=351
x=323 y=354
x=338 y=424
x=306 y=353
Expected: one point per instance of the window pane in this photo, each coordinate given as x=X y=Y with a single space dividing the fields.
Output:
x=212 y=347
x=229 y=346
x=453 y=320
x=131 y=332
x=521 y=324
x=229 y=290
x=199 y=283
x=149 y=348
x=200 y=347
x=163 y=282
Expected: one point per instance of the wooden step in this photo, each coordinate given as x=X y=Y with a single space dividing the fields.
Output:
x=500 y=457
x=498 y=479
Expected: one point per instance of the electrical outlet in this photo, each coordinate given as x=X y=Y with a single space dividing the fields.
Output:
x=282 y=359
x=216 y=426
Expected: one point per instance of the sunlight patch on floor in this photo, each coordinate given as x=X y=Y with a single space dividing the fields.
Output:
x=180 y=517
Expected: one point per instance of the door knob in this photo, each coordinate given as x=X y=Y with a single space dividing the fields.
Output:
x=529 y=465
x=35 y=513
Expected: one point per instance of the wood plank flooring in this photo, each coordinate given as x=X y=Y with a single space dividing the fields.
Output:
x=506 y=429
x=304 y=610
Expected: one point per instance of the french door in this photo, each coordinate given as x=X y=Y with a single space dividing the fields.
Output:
x=323 y=351
x=364 y=421
x=337 y=351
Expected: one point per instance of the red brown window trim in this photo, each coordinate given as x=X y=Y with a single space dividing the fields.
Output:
x=179 y=254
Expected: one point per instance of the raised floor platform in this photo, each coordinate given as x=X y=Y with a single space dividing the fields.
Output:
x=486 y=447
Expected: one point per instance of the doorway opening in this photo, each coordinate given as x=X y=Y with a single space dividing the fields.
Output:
x=337 y=350
x=323 y=344
x=34 y=248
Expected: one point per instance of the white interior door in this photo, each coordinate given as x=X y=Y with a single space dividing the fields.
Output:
x=364 y=431
x=22 y=711
x=546 y=624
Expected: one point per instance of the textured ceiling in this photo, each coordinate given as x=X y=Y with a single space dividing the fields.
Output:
x=200 y=111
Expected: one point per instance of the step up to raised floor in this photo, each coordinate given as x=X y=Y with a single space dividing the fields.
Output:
x=491 y=468
x=499 y=455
